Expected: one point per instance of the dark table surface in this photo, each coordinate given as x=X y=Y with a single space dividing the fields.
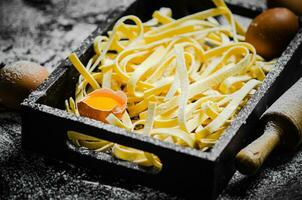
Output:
x=46 y=33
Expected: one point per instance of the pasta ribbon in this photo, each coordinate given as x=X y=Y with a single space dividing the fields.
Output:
x=185 y=79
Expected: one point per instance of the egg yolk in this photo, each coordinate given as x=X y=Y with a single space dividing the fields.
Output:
x=102 y=103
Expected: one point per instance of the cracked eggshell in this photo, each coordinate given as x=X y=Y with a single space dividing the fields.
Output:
x=88 y=110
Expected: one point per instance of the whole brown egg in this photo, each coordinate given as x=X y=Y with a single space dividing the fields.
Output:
x=293 y=5
x=271 y=31
x=17 y=80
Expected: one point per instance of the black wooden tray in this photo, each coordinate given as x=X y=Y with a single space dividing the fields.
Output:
x=185 y=171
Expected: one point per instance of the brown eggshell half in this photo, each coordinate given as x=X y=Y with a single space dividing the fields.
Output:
x=101 y=115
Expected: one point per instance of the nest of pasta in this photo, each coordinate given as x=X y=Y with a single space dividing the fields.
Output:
x=185 y=79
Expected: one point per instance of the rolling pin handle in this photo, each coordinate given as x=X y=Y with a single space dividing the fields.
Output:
x=251 y=158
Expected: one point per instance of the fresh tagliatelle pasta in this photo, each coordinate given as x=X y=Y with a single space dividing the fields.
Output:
x=185 y=79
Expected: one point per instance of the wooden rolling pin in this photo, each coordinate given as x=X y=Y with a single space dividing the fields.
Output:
x=283 y=128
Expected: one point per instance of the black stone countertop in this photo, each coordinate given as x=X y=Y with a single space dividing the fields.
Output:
x=47 y=33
